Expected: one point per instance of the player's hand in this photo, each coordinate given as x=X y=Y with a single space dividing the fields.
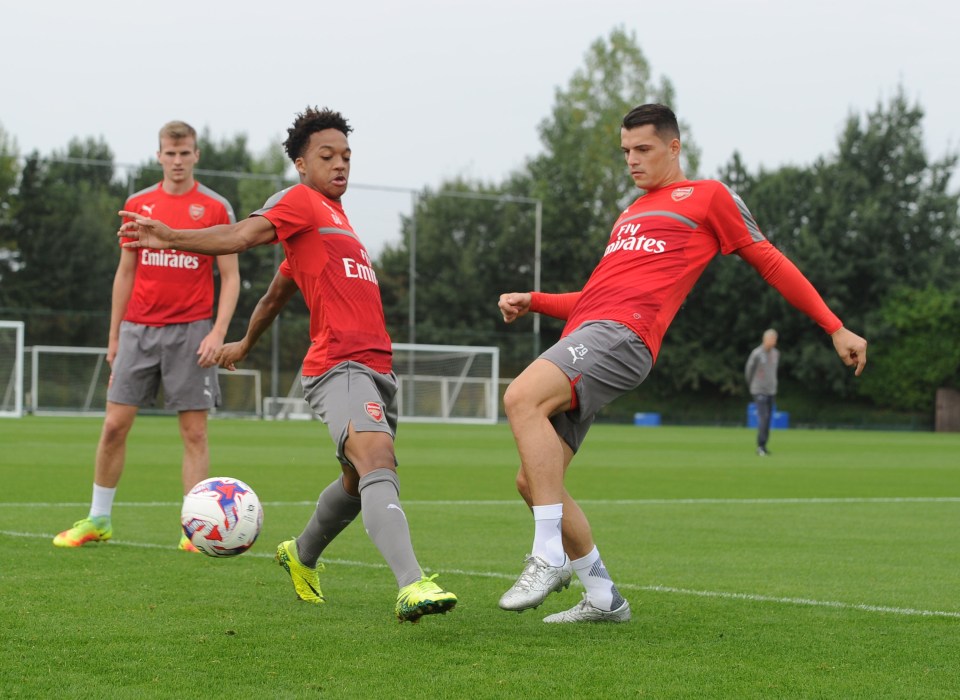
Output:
x=113 y=344
x=147 y=233
x=230 y=354
x=851 y=348
x=513 y=305
x=209 y=346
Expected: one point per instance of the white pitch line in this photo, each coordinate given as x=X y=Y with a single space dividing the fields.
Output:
x=518 y=502
x=724 y=595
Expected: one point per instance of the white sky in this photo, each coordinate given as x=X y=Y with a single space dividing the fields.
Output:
x=437 y=89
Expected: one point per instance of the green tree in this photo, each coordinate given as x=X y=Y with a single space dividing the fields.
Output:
x=861 y=223
x=9 y=174
x=64 y=229
x=919 y=339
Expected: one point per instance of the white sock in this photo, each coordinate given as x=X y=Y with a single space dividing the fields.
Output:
x=593 y=575
x=102 y=503
x=547 y=540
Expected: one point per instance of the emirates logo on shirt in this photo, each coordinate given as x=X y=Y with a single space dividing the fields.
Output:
x=681 y=193
x=169 y=258
x=374 y=410
x=196 y=211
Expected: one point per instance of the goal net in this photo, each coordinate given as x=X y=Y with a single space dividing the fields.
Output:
x=72 y=381
x=438 y=384
x=448 y=383
x=11 y=369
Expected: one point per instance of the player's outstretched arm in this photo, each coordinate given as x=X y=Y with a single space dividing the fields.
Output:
x=214 y=240
x=281 y=289
x=513 y=305
x=851 y=348
x=784 y=276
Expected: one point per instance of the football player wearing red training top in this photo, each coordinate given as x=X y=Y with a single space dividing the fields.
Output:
x=162 y=331
x=658 y=248
x=347 y=373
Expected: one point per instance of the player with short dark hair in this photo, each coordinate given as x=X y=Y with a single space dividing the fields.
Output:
x=162 y=331
x=658 y=248
x=347 y=373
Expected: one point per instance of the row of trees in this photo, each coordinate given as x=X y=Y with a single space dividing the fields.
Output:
x=874 y=225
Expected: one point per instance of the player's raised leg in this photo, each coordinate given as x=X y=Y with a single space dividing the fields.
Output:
x=540 y=391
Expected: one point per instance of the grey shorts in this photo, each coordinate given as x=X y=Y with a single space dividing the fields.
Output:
x=149 y=355
x=353 y=393
x=603 y=360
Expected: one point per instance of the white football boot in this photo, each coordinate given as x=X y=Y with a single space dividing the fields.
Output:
x=537 y=581
x=584 y=611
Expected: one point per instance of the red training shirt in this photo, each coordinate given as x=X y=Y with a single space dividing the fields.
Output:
x=335 y=275
x=659 y=247
x=171 y=286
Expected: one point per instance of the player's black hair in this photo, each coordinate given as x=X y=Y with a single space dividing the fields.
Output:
x=308 y=122
x=661 y=116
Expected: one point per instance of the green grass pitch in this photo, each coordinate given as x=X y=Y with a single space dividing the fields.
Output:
x=827 y=570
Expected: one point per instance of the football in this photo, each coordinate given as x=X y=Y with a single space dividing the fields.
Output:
x=222 y=516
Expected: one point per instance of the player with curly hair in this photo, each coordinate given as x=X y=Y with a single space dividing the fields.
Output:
x=347 y=373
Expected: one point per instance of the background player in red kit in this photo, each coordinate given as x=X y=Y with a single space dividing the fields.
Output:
x=347 y=373
x=162 y=330
x=657 y=250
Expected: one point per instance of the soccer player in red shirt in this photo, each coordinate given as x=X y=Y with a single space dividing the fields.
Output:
x=658 y=248
x=162 y=331
x=347 y=374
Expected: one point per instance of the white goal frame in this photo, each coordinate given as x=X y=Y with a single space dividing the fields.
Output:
x=85 y=409
x=11 y=391
x=451 y=386
x=100 y=368
x=437 y=384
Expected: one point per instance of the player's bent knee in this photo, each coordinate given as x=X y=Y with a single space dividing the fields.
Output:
x=379 y=475
x=516 y=400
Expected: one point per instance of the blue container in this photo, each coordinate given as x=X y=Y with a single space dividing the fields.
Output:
x=646 y=419
x=780 y=420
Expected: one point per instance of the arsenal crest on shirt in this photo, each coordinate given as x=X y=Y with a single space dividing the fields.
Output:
x=374 y=410
x=196 y=211
x=681 y=193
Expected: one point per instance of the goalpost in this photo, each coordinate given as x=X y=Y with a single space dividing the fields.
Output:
x=11 y=369
x=437 y=383
x=448 y=383
x=72 y=381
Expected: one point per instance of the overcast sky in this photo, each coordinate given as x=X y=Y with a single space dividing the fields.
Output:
x=437 y=89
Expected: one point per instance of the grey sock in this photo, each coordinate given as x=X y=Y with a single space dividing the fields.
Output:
x=335 y=510
x=386 y=524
